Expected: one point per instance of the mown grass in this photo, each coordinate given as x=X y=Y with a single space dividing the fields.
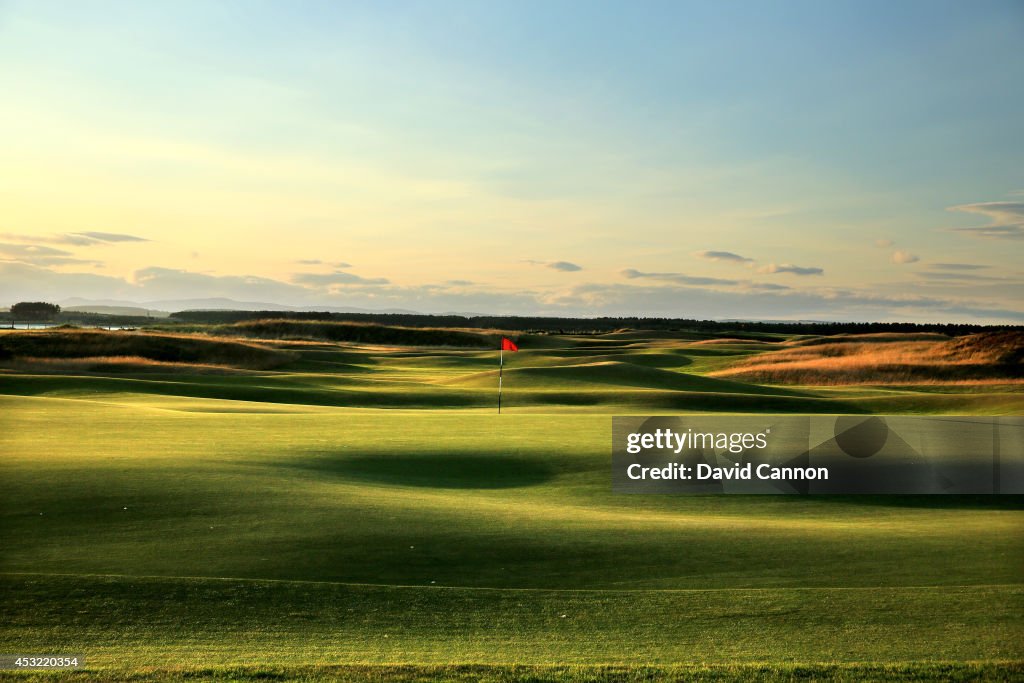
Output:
x=121 y=622
x=954 y=672
x=341 y=496
x=279 y=524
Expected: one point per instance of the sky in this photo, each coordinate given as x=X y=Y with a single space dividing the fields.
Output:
x=770 y=160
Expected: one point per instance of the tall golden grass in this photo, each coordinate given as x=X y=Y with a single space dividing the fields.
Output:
x=733 y=340
x=988 y=357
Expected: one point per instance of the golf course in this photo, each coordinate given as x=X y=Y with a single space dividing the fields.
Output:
x=334 y=501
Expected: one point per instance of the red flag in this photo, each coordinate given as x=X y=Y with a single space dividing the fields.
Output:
x=508 y=345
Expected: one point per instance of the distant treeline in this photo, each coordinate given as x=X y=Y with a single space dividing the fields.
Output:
x=587 y=325
x=82 y=318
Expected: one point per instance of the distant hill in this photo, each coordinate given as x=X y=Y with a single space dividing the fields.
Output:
x=117 y=310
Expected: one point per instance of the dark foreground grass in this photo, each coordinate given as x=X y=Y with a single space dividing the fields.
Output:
x=136 y=622
x=918 y=671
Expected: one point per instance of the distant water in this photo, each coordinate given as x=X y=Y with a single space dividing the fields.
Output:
x=43 y=326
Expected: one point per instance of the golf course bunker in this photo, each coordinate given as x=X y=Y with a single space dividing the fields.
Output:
x=443 y=471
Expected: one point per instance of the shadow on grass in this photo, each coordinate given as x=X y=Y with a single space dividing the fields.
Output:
x=933 y=502
x=433 y=470
x=518 y=673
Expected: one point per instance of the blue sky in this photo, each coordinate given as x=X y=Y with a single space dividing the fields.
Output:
x=448 y=156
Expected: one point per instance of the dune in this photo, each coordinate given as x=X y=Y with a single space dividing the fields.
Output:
x=991 y=357
x=130 y=351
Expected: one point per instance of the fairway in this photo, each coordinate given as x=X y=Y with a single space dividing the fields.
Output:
x=180 y=521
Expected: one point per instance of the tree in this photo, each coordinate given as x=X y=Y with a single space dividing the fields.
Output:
x=34 y=310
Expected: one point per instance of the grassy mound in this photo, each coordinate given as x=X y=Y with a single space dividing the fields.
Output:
x=611 y=374
x=874 y=338
x=992 y=357
x=359 y=333
x=61 y=349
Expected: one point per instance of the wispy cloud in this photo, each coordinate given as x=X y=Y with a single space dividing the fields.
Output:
x=883 y=243
x=110 y=237
x=1006 y=219
x=790 y=268
x=699 y=281
x=960 y=276
x=677 y=278
x=60 y=261
x=29 y=250
x=42 y=256
x=336 y=278
x=67 y=239
x=903 y=257
x=563 y=266
x=765 y=286
x=76 y=239
x=318 y=262
x=956 y=266
x=723 y=256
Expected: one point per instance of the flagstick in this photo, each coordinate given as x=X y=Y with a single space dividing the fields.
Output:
x=501 y=364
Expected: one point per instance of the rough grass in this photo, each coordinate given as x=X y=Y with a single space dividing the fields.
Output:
x=885 y=359
x=874 y=338
x=33 y=345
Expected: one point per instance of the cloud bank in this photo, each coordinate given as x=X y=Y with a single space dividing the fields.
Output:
x=661 y=294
